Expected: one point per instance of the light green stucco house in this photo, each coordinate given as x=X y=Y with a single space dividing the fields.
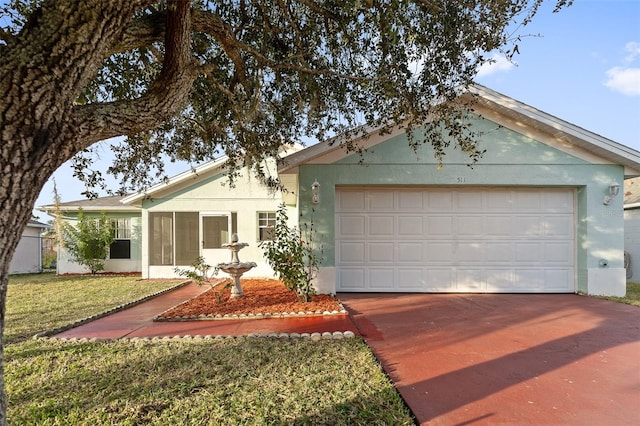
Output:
x=536 y=214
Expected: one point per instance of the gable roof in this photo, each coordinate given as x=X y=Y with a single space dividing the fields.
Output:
x=35 y=224
x=513 y=114
x=112 y=204
x=203 y=171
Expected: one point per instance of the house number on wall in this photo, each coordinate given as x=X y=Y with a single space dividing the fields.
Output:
x=461 y=179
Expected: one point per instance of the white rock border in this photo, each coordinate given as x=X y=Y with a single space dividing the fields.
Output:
x=327 y=335
x=220 y=317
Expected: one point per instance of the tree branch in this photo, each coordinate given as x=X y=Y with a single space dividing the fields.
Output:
x=164 y=99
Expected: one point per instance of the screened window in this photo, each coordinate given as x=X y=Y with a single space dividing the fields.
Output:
x=266 y=225
x=161 y=238
x=174 y=237
x=121 y=246
x=186 y=237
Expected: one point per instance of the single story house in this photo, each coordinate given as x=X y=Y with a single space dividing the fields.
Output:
x=632 y=228
x=539 y=213
x=28 y=255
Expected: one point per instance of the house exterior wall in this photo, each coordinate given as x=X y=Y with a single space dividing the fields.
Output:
x=632 y=240
x=511 y=159
x=27 y=257
x=67 y=266
x=214 y=194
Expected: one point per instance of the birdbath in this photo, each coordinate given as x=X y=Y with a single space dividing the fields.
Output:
x=235 y=268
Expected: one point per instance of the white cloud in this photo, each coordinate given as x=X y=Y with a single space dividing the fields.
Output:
x=499 y=64
x=624 y=80
x=633 y=47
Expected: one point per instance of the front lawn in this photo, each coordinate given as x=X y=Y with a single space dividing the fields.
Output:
x=178 y=381
x=39 y=302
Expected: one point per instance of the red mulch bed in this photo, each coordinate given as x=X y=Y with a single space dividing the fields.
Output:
x=261 y=296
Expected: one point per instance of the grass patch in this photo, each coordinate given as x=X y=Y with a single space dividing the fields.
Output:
x=188 y=382
x=199 y=382
x=40 y=302
x=632 y=297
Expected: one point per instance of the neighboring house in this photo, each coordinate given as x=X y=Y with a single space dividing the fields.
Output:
x=534 y=215
x=529 y=217
x=28 y=255
x=125 y=252
x=632 y=227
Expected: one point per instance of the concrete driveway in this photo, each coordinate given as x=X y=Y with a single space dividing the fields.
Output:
x=507 y=359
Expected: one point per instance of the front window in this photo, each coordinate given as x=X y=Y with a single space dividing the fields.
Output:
x=121 y=246
x=174 y=237
x=266 y=224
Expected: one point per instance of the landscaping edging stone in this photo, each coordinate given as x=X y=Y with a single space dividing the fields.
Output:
x=57 y=330
x=219 y=317
x=327 y=335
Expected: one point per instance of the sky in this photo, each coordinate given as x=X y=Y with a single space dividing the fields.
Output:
x=581 y=65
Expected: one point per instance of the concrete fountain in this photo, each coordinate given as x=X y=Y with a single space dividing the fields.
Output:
x=235 y=268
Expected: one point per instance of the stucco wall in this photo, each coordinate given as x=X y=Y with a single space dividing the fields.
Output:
x=211 y=195
x=511 y=159
x=632 y=240
x=66 y=266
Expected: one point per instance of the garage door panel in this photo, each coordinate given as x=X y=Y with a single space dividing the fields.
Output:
x=470 y=225
x=410 y=201
x=499 y=252
x=558 y=253
x=411 y=226
x=558 y=201
x=411 y=279
x=470 y=252
x=381 y=201
x=381 y=252
x=499 y=225
x=499 y=280
x=456 y=240
x=439 y=200
x=439 y=252
x=555 y=280
x=353 y=201
x=529 y=252
x=469 y=280
x=350 y=252
x=353 y=226
x=410 y=252
x=381 y=279
x=352 y=279
x=558 y=226
x=469 y=200
x=439 y=225
x=381 y=226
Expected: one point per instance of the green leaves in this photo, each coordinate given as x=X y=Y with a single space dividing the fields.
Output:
x=292 y=255
x=88 y=242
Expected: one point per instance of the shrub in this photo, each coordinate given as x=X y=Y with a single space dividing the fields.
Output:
x=292 y=256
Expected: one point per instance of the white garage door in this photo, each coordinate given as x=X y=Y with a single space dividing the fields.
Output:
x=455 y=240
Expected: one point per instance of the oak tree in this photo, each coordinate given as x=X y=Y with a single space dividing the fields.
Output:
x=193 y=80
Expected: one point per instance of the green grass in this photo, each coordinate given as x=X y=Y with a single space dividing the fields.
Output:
x=178 y=381
x=39 y=302
x=248 y=381
x=632 y=297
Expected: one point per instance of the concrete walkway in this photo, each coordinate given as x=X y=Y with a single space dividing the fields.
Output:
x=137 y=321
x=506 y=359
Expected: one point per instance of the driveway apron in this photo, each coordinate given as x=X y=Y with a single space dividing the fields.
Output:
x=511 y=359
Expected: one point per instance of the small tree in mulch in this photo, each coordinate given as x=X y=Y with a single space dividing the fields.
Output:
x=292 y=255
x=88 y=242
x=202 y=273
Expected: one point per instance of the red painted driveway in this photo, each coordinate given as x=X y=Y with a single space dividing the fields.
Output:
x=478 y=359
